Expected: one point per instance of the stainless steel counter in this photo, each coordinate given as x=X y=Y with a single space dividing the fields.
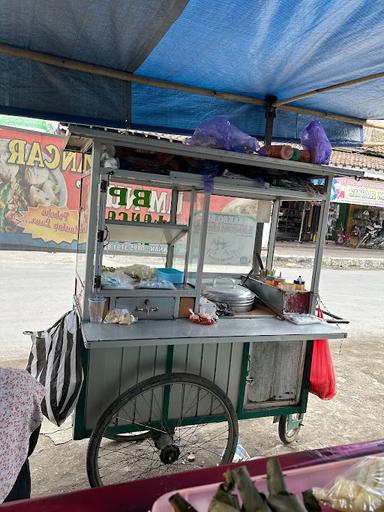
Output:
x=182 y=331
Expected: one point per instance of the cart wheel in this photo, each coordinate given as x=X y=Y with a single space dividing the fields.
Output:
x=289 y=427
x=187 y=422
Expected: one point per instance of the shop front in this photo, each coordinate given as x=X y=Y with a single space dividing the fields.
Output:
x=357 y=208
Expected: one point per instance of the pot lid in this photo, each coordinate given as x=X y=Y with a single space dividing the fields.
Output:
x=226 y=290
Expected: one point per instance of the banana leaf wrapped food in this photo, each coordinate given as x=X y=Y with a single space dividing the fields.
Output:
x=238 y=482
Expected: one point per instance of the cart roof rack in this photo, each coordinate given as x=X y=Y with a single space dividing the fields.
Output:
x=150 y=144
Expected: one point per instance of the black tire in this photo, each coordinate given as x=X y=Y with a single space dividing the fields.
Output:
x=128 y=438
x=132 y=467
x=362 y=240
x=288 y=436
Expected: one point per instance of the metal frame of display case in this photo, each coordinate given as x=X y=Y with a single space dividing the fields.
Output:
x=167 y=346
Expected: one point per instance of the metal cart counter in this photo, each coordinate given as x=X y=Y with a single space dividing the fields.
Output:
x=181 y=331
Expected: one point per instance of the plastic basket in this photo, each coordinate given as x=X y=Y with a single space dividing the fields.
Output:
x=170 y=274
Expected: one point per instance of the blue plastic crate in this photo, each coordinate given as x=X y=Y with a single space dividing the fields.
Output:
x=170 y=274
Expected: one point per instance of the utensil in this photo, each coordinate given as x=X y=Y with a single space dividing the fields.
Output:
x=259 y=261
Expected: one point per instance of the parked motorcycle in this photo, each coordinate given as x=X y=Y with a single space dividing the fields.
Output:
x=372 y=237
x=343 y=238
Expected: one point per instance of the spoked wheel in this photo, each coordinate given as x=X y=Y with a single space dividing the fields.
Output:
x=181 y=422
x=289 y=427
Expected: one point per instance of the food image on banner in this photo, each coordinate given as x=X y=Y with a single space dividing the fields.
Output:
x=39 y=190
x=40 y=200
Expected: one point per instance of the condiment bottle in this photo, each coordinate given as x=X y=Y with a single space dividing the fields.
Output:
x=280 y=151
x=299 y=284
x=296 y=154
x=305 y=155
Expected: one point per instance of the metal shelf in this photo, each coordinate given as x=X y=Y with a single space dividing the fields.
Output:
x=182 y=291
x=222 y=185
x=204 y=153
x=126 y=231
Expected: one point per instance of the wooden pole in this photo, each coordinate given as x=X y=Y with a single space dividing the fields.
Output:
x=127 y=76
x=321 y=90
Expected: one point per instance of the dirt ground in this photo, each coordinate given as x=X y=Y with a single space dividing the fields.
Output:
x=355 y=414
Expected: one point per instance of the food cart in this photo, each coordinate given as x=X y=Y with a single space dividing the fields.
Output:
x=164 y=394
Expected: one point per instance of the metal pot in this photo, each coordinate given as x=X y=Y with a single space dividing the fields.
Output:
x=239 y=298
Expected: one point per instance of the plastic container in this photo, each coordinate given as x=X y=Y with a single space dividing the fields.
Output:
x=97 y=309
x=170 y=274
x=297 y=480
x=296 y=154
x=241 y=454
x=305 y=155
x=299 y=284
x=281 y=151
x=207 y=307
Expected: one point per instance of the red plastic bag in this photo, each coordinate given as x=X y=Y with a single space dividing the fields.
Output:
x=322 y=381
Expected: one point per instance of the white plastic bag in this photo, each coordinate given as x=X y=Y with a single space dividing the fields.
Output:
x=359 y=489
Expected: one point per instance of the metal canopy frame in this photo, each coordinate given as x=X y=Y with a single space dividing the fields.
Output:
x=62 y=62
x=328 y=88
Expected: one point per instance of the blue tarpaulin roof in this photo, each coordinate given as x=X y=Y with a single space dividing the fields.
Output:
x=247 y=47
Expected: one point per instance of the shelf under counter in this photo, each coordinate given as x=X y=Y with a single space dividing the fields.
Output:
x=128 y=231
x=179 y=291
x=182 y=332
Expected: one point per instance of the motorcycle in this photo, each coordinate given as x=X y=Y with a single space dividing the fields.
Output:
x=373 y=236
x=343 y=238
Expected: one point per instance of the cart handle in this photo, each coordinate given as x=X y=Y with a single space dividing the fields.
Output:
x=335 y=319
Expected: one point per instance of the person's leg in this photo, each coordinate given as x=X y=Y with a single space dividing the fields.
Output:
x=22 y=487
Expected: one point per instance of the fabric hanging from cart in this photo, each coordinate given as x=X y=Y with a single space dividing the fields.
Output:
x=250 y=48
x=55 y=362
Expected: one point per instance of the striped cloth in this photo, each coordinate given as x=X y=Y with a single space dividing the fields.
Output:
x=55 y=362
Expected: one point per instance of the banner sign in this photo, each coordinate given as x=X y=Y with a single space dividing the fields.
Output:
x=40 y=199
x=364 y=192
x=39 y=190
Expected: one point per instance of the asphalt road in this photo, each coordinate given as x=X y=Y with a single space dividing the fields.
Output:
x=36 y=289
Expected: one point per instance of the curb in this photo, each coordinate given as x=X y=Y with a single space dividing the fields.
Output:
x=331 y=262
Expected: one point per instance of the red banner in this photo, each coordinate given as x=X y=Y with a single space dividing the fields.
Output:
x=39 y=194
x=39 y=187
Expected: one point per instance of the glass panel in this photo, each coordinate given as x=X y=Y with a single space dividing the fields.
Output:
x=195 y=235
x=231 y=233
x=138 y=230
x=83 y=227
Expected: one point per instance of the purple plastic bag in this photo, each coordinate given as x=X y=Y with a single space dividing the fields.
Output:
x=219 y=133
x=314 y=138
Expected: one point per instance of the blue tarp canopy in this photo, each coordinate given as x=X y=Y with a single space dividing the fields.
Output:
x=249 y=48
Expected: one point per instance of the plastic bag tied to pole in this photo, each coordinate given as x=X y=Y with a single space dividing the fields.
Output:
x=315 y=140
x=322 y=381
x=220 y=133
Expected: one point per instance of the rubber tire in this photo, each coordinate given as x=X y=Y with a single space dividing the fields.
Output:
x=120 y=438
x=283 y=430
x=362 y=241
x=102 y=424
